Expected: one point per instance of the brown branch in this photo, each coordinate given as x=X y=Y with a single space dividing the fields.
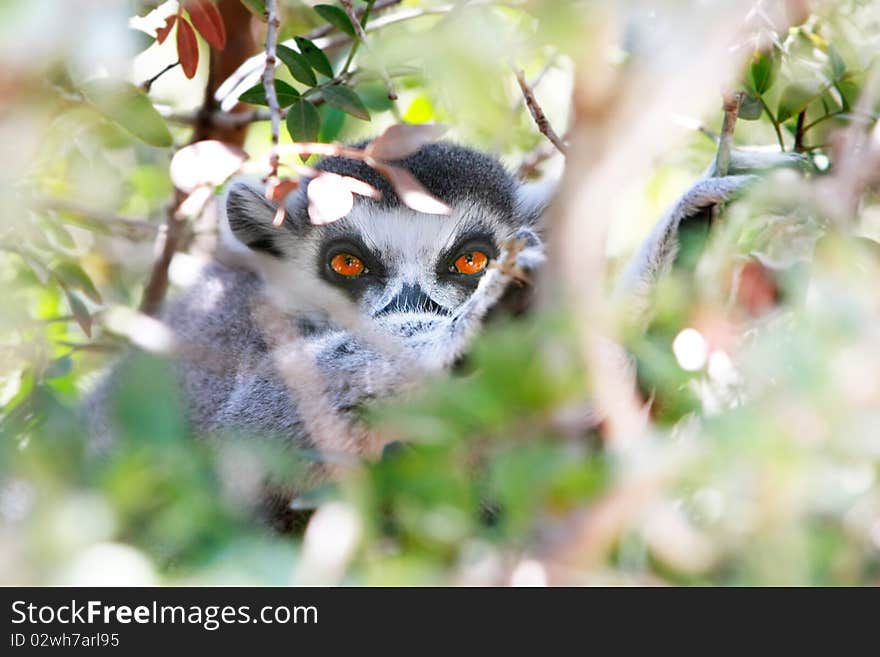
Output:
x=538 y=113
x=166 y=246
x=239 y=46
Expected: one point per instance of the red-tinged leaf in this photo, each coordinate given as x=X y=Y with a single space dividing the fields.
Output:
x=163 y=32
x=207 y=20
x=411 y=192
x=404 y=139
x=205 y=163
x=757 y=289
x=329 y=198
x=361 y=188
x=187 y=48
x=79 y=310
x=277 y=190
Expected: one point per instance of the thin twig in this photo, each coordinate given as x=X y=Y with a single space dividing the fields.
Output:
x=538 y=113
x=132 y=229
x=269 y=82
x=146 y=85
x=362 y=36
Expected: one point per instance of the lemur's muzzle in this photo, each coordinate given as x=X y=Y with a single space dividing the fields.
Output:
x=412 y=299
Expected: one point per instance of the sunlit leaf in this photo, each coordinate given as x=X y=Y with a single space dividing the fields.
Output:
x=751 y=108
x=79 y=310
x=795 y=99
x=315 y=56
x=329 y=198
x=73 y=276
x=163 y=32
x=256 y=95
x=298 y=65
x=411 y=192
x=762 y=72
x=187 y=48
x=402 y=140
x=347 y=100
x=336 y=17
x=128 y=107
x=207 y=162
x=207 y=20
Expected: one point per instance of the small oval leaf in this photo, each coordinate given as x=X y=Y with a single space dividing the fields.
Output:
x=72 y=275
x=79 y=310
x=128 y=107
x=315 y=56
x=207 y=20
x=411 y=192
x=329 y=198
x=298 y=66
x=762 y=72
x=347 y=100
x=187 y=48
x=403 y=139
x=256 y=95
x=163 y=32
x=303 y=121
x=751 y=108
x=336 y=17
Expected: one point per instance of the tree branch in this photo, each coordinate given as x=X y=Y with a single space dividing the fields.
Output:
x=538 y=113
x=269 y=82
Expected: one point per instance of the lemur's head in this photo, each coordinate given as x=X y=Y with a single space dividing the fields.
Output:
x=389 y=259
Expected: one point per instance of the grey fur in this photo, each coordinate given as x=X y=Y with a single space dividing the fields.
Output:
x=291 y=346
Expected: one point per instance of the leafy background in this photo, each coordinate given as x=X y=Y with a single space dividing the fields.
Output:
x=759 y=460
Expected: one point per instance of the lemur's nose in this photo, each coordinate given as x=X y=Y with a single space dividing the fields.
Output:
x=412 y=298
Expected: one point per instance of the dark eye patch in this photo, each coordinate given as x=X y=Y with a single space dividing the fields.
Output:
x=354 y=286
x=468 y=242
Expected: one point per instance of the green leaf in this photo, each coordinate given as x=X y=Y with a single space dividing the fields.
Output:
x=315 y=56
x=59 y=367
x=332 y=122
x=751 y=108
x=256 y=95
x=838 y=66
x=347 y=100
x=297 y=65
x=336 y=17
x=72 y=275
x=794 y=99
x=303 y=121
x=125 y=105
x=79 y=310
x=762 y=72
x=256 y=7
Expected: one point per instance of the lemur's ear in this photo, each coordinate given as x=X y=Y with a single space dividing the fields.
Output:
x=532 y=200
x=250 y=219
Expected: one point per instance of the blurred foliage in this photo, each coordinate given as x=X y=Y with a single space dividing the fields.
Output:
x=762 y=359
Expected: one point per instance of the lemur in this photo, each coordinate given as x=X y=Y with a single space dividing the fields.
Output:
x=310 y=321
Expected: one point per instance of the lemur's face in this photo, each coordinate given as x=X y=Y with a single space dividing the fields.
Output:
x=395 y=261
x=402 y=268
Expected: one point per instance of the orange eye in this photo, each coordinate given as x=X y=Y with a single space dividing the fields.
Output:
x=472 y=262
x=346 y=264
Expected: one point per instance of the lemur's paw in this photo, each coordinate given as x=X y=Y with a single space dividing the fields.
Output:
x=522 y=255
